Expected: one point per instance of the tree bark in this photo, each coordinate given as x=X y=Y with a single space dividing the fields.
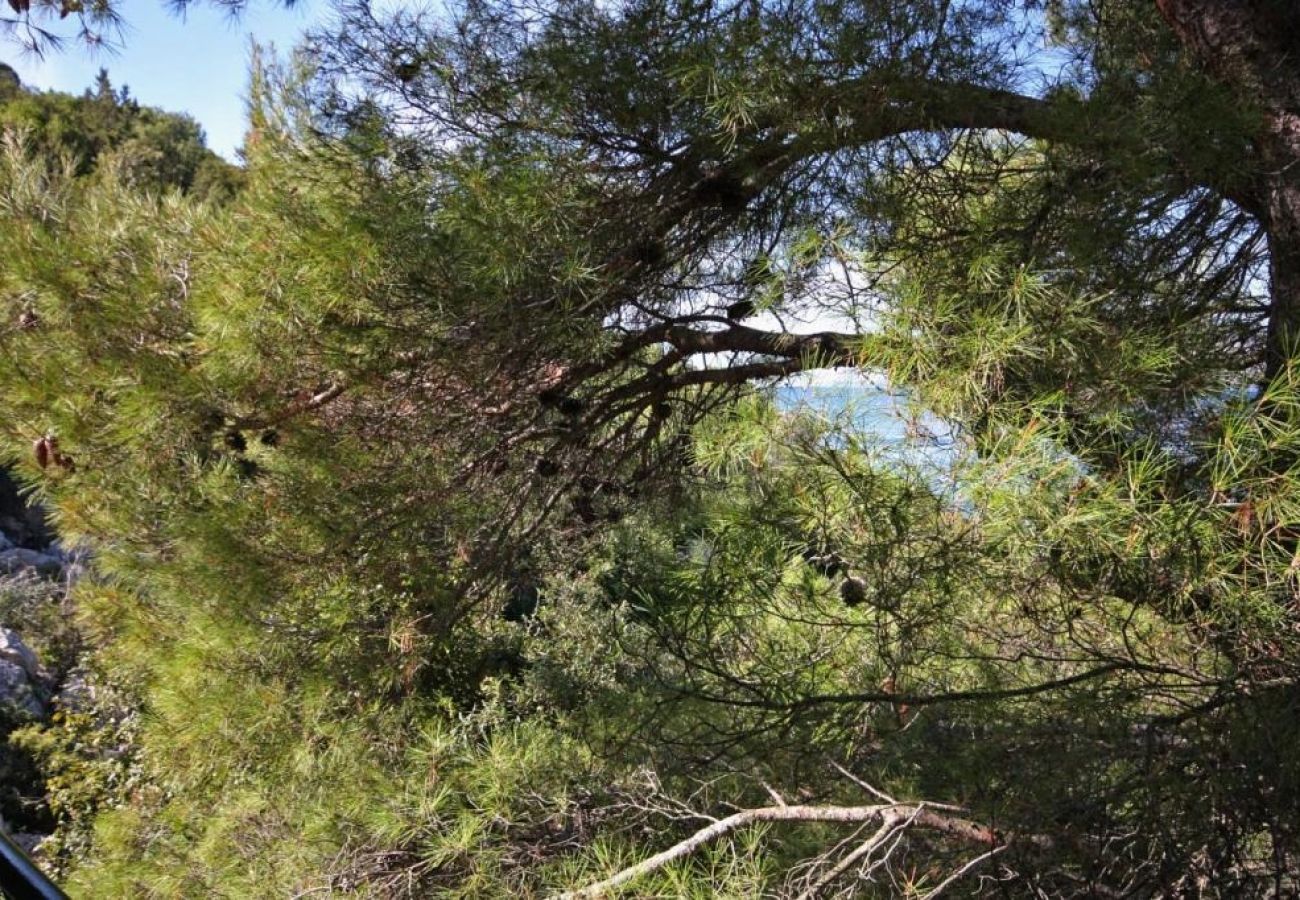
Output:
x=1254 y=45
x=1282 y=155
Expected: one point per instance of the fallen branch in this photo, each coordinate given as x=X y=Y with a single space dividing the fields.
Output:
x=889 y=815
x=863 y=850
x=975 y=695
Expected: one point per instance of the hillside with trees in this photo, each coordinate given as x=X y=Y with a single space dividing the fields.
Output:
x=447 y=536
x=154 y=150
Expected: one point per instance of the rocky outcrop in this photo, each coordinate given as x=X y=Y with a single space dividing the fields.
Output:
x=15 y=560
x=23 y=684
x=36 y=572
x=32 y=563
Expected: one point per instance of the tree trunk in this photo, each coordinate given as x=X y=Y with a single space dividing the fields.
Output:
x=1254 y=45
x=1282 y=186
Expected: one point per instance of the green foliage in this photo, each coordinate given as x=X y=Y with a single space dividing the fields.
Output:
x=447 y=542
x=299 y=719
x=155 y=150
x=22 y=782
x=85 y=763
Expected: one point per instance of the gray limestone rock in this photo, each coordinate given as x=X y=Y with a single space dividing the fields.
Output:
x=77 y=693
x=16 y=559
x=28 y=841
x=16 y=689
x=20 y=673
x=12 y=649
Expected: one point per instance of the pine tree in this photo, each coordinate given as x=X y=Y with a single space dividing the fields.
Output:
x=449 y=541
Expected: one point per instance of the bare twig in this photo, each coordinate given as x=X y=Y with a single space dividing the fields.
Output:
x=873 y=791
x=960 y=873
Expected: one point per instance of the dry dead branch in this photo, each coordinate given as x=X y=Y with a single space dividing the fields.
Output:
x=892 y=817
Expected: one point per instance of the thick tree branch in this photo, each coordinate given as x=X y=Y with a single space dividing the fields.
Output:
x=879 y=109
x=1249 y=42
x=831 y=348
x=971 y=696
x=1251 y=45
x=737 y=374
x=781 y=354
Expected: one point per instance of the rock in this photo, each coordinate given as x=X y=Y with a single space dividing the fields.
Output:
x=68 y=553
x=20 y=675
x=28 y=841
x=13 y=650
x=16 y=559
x=77 y=693
x=16 y=689
x=5 y=543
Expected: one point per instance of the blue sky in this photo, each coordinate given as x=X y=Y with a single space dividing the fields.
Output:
x=198 y=64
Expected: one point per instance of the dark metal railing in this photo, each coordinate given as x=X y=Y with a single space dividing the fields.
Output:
x=20 y=878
